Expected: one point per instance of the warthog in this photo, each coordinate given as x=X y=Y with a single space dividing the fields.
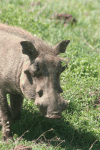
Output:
x=30 y=68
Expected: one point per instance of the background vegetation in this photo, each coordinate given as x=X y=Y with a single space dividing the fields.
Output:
x=79 y=128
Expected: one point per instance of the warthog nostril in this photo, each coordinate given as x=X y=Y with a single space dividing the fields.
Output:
x=40 y=93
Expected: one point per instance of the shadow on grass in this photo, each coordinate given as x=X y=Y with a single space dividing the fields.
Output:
x=37 y=125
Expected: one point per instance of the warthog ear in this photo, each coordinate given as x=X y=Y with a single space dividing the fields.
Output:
x=61 y=47
x=29 y=49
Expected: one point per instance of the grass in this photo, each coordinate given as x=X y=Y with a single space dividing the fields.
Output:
x=79 y=128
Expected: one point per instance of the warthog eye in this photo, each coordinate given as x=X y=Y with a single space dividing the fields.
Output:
x=60 y=68
x=37 y=66
x=36 y=70
x=33 y=69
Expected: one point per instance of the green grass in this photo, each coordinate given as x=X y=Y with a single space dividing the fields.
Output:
x=80 y=124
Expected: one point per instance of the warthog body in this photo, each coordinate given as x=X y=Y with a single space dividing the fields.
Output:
x=30 y=68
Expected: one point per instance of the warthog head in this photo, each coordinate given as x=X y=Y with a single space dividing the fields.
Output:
x=40 y=79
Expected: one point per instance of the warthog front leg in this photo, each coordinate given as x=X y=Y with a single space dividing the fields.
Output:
x=16 y=102
x=5 y=117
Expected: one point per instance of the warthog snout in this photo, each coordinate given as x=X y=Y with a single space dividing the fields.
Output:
x=50 y=108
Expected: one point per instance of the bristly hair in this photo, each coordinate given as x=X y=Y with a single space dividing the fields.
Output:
x=16 y=31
